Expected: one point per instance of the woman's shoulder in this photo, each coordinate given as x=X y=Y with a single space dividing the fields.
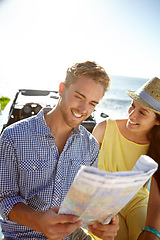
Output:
x=99 y=130
x=101 y=126
x=121 y=123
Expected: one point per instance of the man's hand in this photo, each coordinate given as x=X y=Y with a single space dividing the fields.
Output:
x=105 y=231
x=55 y=226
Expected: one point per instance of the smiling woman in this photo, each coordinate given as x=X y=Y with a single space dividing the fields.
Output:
x=141 y=120
x=123 y=141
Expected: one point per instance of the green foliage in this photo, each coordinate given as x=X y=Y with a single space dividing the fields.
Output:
x=4 y=101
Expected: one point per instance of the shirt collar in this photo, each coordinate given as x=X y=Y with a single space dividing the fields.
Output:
x=41 y=126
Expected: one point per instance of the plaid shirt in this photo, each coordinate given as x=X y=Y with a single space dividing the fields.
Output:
x=33 y=172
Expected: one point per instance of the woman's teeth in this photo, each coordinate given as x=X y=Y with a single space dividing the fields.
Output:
x=133 y=122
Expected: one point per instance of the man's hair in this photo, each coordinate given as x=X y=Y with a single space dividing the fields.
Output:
x=88 y=69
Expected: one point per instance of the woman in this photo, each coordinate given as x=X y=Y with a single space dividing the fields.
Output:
x=151 y=230
x=123 y=141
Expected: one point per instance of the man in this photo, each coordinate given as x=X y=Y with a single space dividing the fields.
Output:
x=40 y=157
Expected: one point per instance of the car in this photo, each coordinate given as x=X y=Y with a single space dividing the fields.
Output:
x=28 y=102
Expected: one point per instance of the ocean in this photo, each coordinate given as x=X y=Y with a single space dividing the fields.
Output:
x=116 y=101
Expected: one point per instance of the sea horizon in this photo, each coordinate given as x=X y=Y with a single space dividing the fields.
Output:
x=115 y=102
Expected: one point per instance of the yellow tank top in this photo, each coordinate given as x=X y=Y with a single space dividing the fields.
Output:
x=118 y=153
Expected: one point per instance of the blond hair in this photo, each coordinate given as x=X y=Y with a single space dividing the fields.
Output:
x=89 y=69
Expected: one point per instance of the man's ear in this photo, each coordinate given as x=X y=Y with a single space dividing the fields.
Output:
x=61 y=88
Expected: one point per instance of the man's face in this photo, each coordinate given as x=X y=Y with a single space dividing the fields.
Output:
x=78 y=101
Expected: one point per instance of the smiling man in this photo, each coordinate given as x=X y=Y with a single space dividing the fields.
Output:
x=40 y=157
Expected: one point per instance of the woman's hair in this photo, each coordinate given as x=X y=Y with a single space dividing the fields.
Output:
x=88 y=69
x=154 y=147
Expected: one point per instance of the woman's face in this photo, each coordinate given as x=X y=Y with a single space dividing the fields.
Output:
x=140 y=118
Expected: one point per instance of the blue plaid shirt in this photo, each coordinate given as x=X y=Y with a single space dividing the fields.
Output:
x=33 y=172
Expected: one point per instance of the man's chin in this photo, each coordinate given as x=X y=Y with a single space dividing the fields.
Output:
x=74 y=125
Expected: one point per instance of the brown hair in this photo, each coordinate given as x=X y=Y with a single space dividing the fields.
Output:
x=89 y=69
x=154 y=147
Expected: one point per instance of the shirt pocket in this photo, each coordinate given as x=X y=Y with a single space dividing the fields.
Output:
x=35 y=179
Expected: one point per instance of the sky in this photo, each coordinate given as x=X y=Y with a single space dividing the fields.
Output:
x=40 y=39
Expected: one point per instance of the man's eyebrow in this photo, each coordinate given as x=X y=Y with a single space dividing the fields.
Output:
x=85 y=97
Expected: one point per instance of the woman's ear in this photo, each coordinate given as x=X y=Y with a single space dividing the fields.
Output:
x=158 y=123
x=61 y=88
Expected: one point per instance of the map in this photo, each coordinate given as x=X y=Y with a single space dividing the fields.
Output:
x=97 y=195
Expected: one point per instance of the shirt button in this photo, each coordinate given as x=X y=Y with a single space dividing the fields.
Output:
x=34 y=167
x=56 y=198
x=59 y=161
x=53 y=146
x=58 y=180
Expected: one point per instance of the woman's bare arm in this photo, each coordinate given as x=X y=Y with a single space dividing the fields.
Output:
x=153 y=212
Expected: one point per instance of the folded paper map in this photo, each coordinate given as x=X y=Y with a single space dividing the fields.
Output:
x=97 y=195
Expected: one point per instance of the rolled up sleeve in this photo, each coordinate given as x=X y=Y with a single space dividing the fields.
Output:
x=9 y=191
